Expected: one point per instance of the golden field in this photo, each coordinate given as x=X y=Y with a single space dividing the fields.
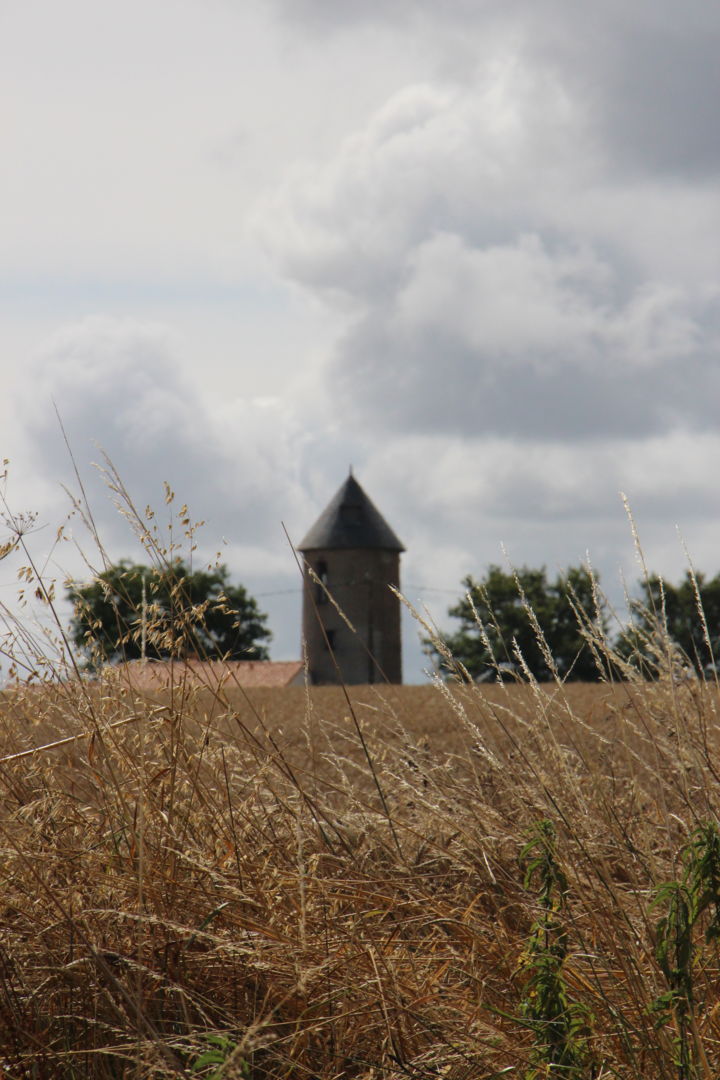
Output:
x=326 y=884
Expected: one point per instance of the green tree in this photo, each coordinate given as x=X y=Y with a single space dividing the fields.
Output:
x=684 y=616
x=172 y=611
x=522 y=612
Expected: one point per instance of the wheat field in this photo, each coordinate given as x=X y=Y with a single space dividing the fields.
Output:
x=421 y=881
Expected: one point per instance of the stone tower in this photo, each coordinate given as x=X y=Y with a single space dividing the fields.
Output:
x=356 y=555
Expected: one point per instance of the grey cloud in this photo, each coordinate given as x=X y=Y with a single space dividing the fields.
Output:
x=473 y=495
x=646 y=71
x=119 y=388
x=527 y=342
x=437 y=382
x=314 y=15
x=482 y=162
x=487 y=298
x=651 y=83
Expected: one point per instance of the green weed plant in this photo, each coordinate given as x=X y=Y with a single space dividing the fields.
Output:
x=560 y=1025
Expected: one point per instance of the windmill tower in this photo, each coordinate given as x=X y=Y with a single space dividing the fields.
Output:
x=356 y=556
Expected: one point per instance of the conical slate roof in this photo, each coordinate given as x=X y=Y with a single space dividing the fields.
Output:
x=350 y=520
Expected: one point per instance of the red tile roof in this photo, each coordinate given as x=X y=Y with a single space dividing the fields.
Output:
x=211 y=674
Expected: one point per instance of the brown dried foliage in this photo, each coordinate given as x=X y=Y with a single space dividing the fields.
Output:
x=334 y=888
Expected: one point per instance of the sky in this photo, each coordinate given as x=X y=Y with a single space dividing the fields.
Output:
x=470 y=249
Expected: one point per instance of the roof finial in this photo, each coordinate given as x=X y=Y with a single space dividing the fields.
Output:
x=351 y=472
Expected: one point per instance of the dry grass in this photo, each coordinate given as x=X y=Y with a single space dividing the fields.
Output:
x=289 y=883
x=332 y=886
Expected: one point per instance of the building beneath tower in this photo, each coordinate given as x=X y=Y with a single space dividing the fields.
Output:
x=351 y=616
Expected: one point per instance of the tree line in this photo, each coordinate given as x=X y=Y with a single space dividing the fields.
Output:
x=516 y=624
x=520 y=623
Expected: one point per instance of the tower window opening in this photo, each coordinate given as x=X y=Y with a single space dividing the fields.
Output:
x=320 y=591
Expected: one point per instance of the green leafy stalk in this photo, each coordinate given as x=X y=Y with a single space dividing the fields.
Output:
x=222 y=1051
x=560 y=1025
x=687 y=902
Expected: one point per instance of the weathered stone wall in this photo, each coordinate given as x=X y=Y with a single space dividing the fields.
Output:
x=358 y=581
